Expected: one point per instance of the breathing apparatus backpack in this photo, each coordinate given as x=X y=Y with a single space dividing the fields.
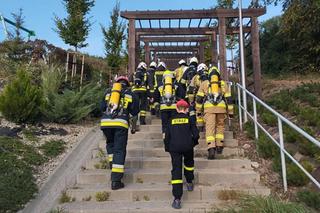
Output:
x=168 y=91
x=139 y=78
x=214 y=92
x=114 y=106
x=191 y=72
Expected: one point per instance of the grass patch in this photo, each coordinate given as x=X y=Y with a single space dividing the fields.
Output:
x=146 y=198
x=65 y=198
x=270 y=204
x=310 y=198
x=30 y=135
x=102 y=196
x=53 y=148
x=266 y=147
x=229 y=195
x=295 y=176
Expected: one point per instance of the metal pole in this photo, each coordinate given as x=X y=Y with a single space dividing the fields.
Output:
x=4 y=26
x=283 y=160
x=243 y=75
x=239 y=108
x=255 y=118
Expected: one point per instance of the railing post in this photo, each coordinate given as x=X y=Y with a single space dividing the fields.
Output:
x=239 y=108
x=283 y=160
x=255 y=118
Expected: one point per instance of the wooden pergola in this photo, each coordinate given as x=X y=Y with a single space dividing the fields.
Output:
x=160 y=31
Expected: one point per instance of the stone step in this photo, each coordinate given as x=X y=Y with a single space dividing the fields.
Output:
x=202 y=176
x=158 y=135
x=157 y=143
x=159 y=152
x=138 y=207
x=160 y=192
x=165 y=163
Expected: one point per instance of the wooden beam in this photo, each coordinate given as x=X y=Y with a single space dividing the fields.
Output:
x=175 y=39
x=192 y=14
x=132 y=47
x=174 y=48
x=188 y=31
x=222 y=49
x=256 y=57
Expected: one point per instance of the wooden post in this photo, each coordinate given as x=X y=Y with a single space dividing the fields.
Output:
x=82 y=70
x=214 y=55
x=132 y=46
x=67 y=67
x=256 y=57
x=137 y=51
x=222 y=48
x=147 y=53
x=201 y=53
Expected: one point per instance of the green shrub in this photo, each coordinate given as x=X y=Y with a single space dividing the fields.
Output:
x=306 y=147
x=310 y=198
x=266 y=147
x=70 y=106
x=309 y=116
x=282 y=100
x=270 y=204
x=17 y=185
x=295 y=176
x=20 y=99
x=249 y=128
x=53 y=148
x=269 y=119
x=291 y=135
x=102 y=196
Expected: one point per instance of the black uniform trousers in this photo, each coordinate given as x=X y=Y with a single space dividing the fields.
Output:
x=176 y=173
x=143 y=103
x=166 y=115
x=117 y=146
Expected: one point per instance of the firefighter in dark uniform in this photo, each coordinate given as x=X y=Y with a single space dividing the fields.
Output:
x=180 y=138
x=187 y=76
x=118 y=103
x=151 y=86
x=158 y=82
x=139 y=87
x=168 y=93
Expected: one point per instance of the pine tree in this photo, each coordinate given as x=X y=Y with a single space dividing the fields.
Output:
x=113 y=38
x=75 y=28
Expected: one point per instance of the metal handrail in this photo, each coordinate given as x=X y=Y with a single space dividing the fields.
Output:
x=280 y=143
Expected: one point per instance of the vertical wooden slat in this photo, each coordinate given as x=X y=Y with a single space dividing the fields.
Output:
x=222 y=48
x=147 y=53
x=82 y=70
x=132 y=46
x=67 y=66
x=256 y=57
x=214 y=55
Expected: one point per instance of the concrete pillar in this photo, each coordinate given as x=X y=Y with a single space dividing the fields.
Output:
x=256 y=56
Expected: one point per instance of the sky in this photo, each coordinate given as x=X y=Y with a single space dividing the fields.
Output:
x=39 y=16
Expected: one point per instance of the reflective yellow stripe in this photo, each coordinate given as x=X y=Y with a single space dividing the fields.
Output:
x=192 y=113
x=227 y=94
x=107 y=97
x=198 y=106
x=200 y=120
x=139 y=89
x=210 y=139
x=176 y=181
x=163 y=106
x=230 y=107
x=159 y=72
x=183 y=81
x=142 y=112
x=110 y=158
x=118 y=170
x=201 y=94
x=220 y=136
x=110 y=123
x=188 y=168
x=209 y=105
x=180 y=121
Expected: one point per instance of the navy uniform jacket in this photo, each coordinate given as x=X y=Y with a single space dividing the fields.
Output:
x=182 y=134
x=130 y=105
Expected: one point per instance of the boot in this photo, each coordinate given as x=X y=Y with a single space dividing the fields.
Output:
x=190 y=187
x=115 y=185
x=142 y=120
x=110 y=165
x=211 y=153
x=176 y=204
x=219 y=150
x=153 y=111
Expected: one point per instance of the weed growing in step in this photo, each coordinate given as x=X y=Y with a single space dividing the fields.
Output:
x=146 y=198
x=65 y=198
x=53 y=148
x=139 y=180
x=310 y=198
x=102 y=196
x=58 y=210
x=229 y=195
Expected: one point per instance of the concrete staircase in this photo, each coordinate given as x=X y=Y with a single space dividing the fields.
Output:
x=147 y=178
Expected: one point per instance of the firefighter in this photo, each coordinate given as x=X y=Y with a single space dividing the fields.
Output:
x=158 y=82
x=139 y=87
x=188 y=74
x=168 y=93
x=180 y=70
x=202 y=75
x=180 y=138
x=151 y=86
x=118 y=103
x=212 y=98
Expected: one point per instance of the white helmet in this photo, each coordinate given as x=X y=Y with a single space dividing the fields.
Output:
x=202 y=66
x=162 y=64
x=194 y=60
x=153 y=64
x=142 y=65
x=182 y=62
